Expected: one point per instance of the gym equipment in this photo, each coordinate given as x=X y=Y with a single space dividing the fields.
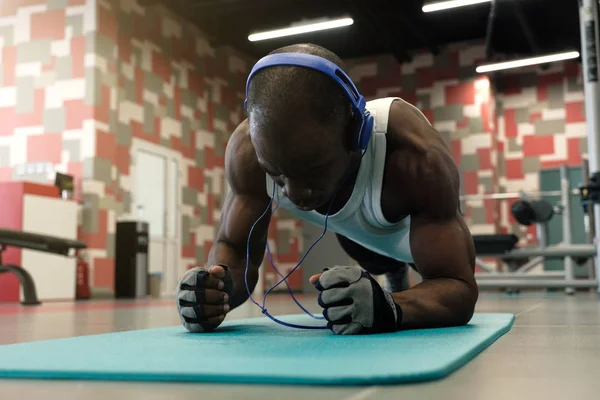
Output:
x=590 y=55
x=33 y=241
x=131 y=260
x=233 y=352
x=528 y=211
x=364 y=119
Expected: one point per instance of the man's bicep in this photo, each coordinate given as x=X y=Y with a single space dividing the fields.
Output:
x=442 y=248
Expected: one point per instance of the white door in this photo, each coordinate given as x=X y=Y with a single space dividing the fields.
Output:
x=156 y=200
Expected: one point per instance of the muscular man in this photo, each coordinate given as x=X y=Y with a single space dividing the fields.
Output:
x=390 y=192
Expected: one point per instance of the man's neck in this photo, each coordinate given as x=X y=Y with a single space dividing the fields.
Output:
x=345 y=191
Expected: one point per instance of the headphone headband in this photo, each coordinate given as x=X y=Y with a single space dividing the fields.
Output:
x=333 y=71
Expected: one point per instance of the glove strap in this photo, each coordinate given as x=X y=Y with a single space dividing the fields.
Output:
x=396 y=309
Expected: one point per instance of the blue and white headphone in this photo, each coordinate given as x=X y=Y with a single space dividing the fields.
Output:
x=364 y=118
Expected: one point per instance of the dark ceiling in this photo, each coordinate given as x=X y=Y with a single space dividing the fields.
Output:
x=520 y=27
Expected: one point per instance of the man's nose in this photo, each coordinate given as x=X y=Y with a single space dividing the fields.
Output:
x=295 y=191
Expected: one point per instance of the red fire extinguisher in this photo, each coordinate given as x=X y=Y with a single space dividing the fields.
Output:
x=82 y=291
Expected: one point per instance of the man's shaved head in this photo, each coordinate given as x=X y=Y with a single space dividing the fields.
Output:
x=302 y=128
x=279 y=94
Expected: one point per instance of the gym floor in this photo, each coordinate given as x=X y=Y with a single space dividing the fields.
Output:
x=552 y=352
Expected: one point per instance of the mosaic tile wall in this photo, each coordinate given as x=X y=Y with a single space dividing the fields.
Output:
x=82 y=80
x=502 y=133
x=457 y=102
x=541 y=119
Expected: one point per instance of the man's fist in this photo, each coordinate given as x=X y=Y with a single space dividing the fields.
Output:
x=354 y=303
x=203 y=296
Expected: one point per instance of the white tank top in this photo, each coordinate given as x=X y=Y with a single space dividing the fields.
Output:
x=361 y=219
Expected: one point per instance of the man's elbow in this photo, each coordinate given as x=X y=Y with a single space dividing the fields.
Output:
x=466 y=308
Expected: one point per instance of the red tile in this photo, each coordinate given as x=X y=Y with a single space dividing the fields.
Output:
x=574 y=152
x=9 y=121
x=211 y=208
x=471 y=182
x=107 y=23
x=537 y=145
x=44 y=148
x=514 y=169
x=137 y=129
x=161 y=66
x=9 y=64
x=457 y=151
x=572 y=69
x=104 y=273
x=485 y=159
x=6 y=174
x=542 y=93
x=425 y=77
x=11 y=7
x=430 y=116
x=209 y=158
x=461 y=94
x=106 y=145
x=534 y=117
x=196 y=82
x=510 y=123
x=511 y=85
x=139 y=85
x=48 y=25
x=177 y=102
x=39 y=189
x=490 y=211
x=575 y=112
x=190 y=250
x=485 y=116
x=123 y=162
x=551 y=79
x=77 y=2
x=196 y=178
x=77 y=112
x=78 y=56
x=124 y=48
x=102 y=111
x=552 y=164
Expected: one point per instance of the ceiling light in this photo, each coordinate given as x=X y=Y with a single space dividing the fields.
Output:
x=527 y=62
x=296 y=30
x=446 y=5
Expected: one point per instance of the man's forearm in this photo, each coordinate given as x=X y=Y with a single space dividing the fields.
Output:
x=437 y=303
x=224 y=254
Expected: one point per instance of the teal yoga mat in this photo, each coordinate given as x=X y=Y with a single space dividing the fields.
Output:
x=256 y=351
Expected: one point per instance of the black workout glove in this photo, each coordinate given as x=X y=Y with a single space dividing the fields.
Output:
x=354 y=303
x=201 y=302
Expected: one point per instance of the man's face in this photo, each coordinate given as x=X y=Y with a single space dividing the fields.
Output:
x=305 y=159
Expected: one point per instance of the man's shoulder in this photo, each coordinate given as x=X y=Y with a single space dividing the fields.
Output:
x=243 y=172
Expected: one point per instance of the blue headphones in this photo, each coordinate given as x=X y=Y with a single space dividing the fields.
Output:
x=364 y=118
